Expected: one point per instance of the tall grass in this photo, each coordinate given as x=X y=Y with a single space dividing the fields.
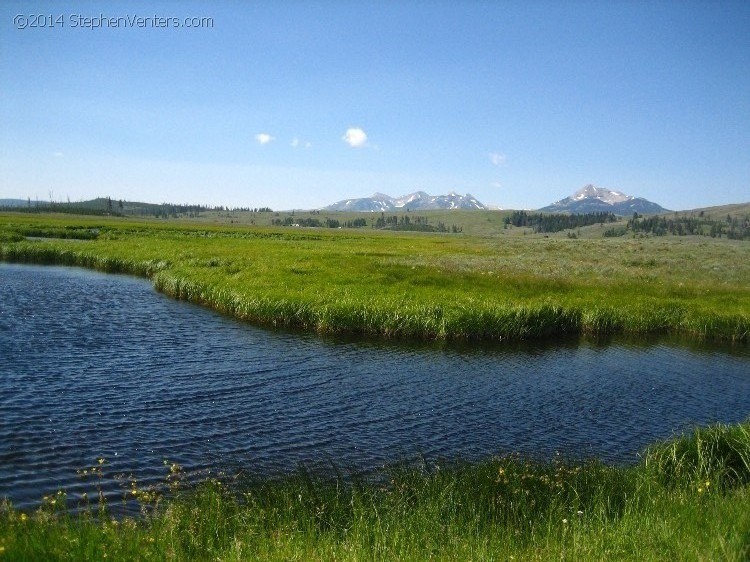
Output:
x=688 y=499
x=417 y=286
x=717 y=456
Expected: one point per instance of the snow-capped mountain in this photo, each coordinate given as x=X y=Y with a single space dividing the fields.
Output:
x=591 y=199
x=418 y=201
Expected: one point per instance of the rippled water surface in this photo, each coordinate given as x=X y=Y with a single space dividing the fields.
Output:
x=99 y=366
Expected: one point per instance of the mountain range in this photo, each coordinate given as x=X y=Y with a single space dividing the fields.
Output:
x=418 y=201
x=592 y=199
x=588 y=199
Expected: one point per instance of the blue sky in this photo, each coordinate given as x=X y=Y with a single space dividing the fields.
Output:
x=297 y=104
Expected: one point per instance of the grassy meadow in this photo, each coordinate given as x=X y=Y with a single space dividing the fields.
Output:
x=688 y=499
x=413 y=285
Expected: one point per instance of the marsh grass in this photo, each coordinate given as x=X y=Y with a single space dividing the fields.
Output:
x=717 y=456
x=405 y=285
x=499 y=508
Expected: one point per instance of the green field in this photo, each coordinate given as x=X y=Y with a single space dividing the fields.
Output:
x=412 y=284
x=688 y=499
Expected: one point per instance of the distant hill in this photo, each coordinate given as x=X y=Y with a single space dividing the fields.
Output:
x=592 y=199
x=107 y=206
x=14 y=202
x=732 y=210
x=418 y=201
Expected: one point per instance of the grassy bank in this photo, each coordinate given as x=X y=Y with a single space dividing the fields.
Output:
x=413 y=285
x=688 y=499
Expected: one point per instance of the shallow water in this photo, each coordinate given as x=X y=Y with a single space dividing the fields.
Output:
x=101 y=366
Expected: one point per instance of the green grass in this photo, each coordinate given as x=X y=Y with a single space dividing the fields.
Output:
x=688 y=499
x=414 y=285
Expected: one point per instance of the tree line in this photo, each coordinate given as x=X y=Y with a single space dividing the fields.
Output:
x=383 y=222
x=735 y=228
x=106 y=206
x=540 y=222
x=412 y=223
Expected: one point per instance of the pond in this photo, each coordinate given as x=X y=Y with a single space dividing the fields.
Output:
x=97 y=366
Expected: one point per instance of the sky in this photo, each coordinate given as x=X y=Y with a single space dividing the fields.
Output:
x=292 y=104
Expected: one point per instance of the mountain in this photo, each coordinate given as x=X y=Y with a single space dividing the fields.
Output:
x=417 y=201
x=591 y=199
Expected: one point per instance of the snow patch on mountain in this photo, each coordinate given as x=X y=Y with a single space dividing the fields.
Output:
x=590 y=199
x=417 y=201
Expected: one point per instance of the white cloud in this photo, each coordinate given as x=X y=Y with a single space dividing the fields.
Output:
x=58 y=154
x=296 y=143
x=355 y=137
x=497 y=158
x=497 y=185
x=264 y=138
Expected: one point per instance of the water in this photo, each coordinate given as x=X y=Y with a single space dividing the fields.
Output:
x=100 y=366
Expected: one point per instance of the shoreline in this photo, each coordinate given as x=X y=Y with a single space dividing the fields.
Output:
x=687 y=498
x=416 y=288
x=494 y=324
